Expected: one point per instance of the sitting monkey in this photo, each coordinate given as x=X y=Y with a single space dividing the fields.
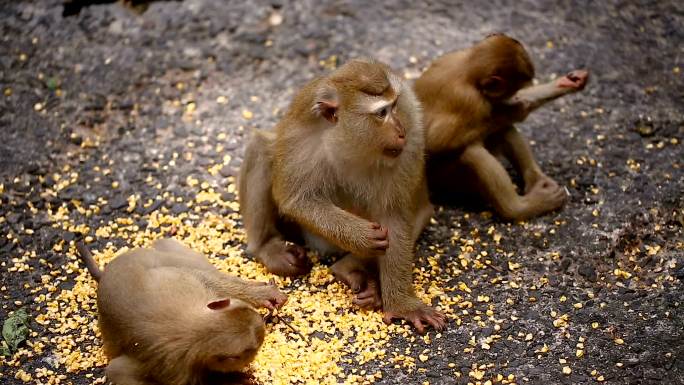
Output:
x=168 y=316
x=344 y=170
x=471 y=100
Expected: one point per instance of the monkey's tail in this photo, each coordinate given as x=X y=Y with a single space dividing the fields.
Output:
x=89 y=261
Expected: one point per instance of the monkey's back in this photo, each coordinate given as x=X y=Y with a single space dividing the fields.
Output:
x=452 y=107
x=140 y=298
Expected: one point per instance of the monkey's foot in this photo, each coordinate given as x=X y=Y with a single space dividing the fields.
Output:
x=287 y=260
x=546 y=195
x=538 y=180
x=369 y=298
x=420 y=318
x=364 y=286
x=576 y=80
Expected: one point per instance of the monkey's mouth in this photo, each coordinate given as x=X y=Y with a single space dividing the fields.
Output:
x=392 y=152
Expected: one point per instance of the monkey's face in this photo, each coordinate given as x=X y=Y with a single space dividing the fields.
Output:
x=235 y=336
x=372 y=115
x=383 y=124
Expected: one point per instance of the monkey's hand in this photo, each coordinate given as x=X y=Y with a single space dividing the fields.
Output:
x=529 y=99
x=418 y=314
x=268 y=296
x=372 y=240
x=574 y=80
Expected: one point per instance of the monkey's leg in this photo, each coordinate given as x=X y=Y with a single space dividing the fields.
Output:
x=361 y=276
x=399 y=299
x=536 y=96
x=515 y=147
x=499 y=189
x=260 y=214
x=424 y=211
x=124 y=370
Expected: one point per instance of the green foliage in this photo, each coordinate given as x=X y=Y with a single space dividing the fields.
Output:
x=15 y=330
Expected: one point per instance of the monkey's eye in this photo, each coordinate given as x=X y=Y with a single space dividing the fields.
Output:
x=224 y=357
x=382 y=113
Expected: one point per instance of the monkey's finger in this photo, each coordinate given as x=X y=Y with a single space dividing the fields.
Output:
x=418 y=324
x=294 y=260
x=267 y=304
x=436 y=322
x=380 y=234
x=364 y=295
x=296 y=255
x=381 y=245
x=280 y=301
x=572 y=76
x=367 y=303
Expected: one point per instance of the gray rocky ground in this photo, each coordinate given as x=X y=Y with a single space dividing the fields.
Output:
x=107 y=97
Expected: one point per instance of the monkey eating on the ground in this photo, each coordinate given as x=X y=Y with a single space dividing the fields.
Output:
x=344 y=170
x=168 y=316
x=471 y=99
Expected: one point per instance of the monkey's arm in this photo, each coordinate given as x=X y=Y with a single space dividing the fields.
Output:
x=531 y=98
x=342 y=228
x=258 y=294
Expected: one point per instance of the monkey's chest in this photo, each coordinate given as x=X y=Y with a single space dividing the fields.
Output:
x=320 y=244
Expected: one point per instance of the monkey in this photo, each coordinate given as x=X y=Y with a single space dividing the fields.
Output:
x=168 y=316
x=471 y=99
x=344 y=169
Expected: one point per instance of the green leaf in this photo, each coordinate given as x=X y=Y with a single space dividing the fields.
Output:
x=4 y=349
x=15 y=330
x=52 y=83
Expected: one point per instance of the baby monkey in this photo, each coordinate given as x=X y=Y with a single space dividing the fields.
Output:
x=168 y=316
x=471 y=100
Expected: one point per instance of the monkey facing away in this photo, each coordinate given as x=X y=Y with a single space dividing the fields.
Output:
x=345 y=165
x=168 y=316
x=471 y=99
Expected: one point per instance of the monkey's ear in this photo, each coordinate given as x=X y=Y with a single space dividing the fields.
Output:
x=494 y=87
x=219 y=304
x=326 y=104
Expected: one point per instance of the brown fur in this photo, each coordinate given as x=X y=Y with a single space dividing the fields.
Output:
x=471 y=99
x=351 y=178
x=167 y=316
